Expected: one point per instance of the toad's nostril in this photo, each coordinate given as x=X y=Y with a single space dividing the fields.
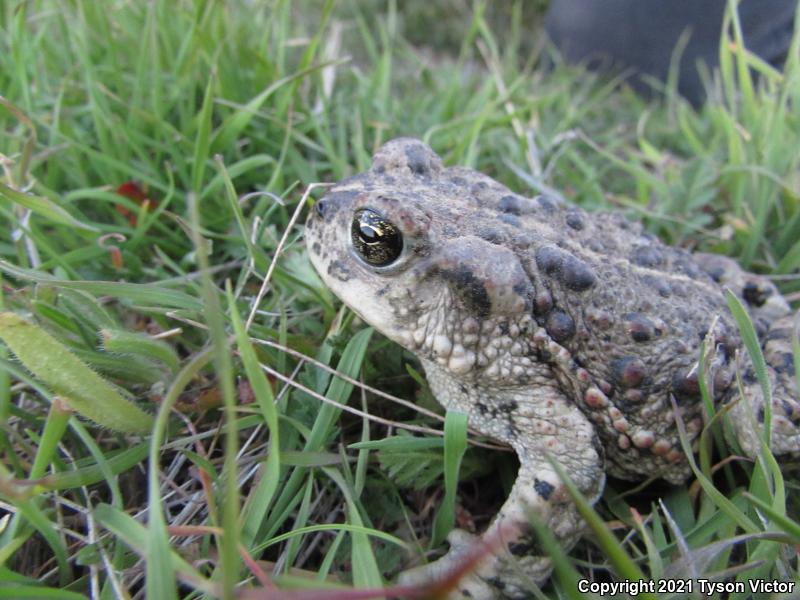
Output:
x=321 y=207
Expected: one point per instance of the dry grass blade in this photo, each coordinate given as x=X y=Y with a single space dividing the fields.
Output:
x=380 y=393
x=265 y=283
x=360 y=413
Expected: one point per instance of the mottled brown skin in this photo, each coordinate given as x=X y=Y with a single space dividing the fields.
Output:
x=559 y=332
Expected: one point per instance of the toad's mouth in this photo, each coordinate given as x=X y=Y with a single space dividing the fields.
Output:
x=344 y=275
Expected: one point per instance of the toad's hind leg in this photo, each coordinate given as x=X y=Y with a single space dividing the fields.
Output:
x=785 y=438
x=563 y=433
x=761 y=298
x=774 y=322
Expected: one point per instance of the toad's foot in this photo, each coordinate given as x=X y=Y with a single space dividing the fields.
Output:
x=478 y=569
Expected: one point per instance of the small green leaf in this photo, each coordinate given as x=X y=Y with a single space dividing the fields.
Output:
x=84 y=390
x=126 y=342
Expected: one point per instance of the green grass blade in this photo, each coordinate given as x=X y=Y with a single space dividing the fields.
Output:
x=233 y=202
x=301 y=518
x=338 y=390
x=38 y=592
x=744 y=80
x=365 y=567
x=145 y=294
x=44 y=207
x=750 y=340
x=227 y=134
x=160 y=575
x=89 y=475
x=259 y=501
x=229 y=563
x=201 y=144
x=161 y=581
x=625 y=567
x=33 y=514
x=135 y=535
x=788 y=525
x=54 y=428
x=562 y=566
x=455 y=444
x=346 y=527
x=724 y=503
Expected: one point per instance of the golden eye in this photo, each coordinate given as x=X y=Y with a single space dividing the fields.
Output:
x=376 y=240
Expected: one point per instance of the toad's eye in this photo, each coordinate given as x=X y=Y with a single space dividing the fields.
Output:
x=376 y=240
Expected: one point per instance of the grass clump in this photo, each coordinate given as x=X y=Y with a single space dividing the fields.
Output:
x=154 y=160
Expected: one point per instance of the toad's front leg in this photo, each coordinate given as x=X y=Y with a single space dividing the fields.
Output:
x=552 y=427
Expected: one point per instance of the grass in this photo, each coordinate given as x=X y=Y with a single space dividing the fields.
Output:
x=262 y=466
